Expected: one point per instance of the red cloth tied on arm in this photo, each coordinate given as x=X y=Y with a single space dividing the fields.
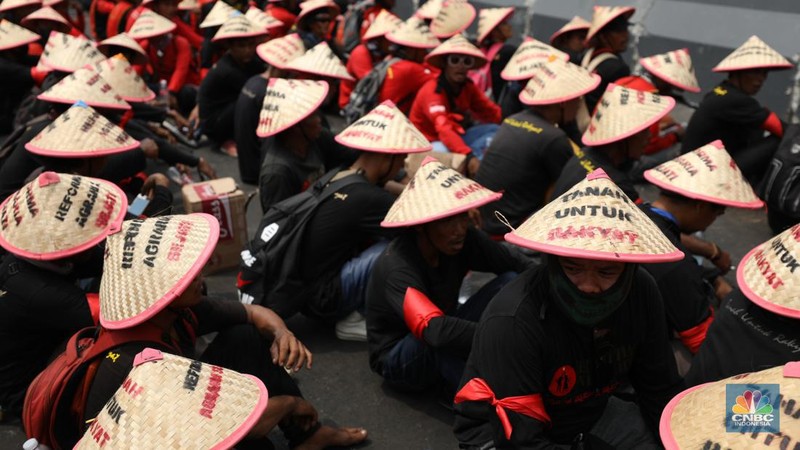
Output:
x=693 y=337
x=418 y=310
x=773 y=125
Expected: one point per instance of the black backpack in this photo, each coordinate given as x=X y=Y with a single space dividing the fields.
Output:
x=365 y=95
x=780 y=187
x=270 y=262
x=354 y=17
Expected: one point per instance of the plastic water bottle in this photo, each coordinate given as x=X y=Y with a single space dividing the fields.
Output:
x=163 y=94
x=33 y=444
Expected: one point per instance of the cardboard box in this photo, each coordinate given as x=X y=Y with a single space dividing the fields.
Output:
x=222 y=199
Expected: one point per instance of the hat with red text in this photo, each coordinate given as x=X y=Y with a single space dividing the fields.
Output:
x=604 y=15
x=309 y=6
x=623 y=112
x=595 y=220
x=124 y=41
x=68 y=53
x=769 y=275
x=13 y=35
x=59 y=215
x=150 y=24
x=287 y=102
x=85 y=85
x=384 y=22
x=385 y=129
x=262 y=19
x=436 y=192
x=490 y=18
x=527 y=58
x=707 y=173
x=216 y=406
x=576 y=24
x=238 y=27
x=453 y=17
x=556 y=81
x=281 y=51
x=753 y=54
x=47 y=14
x=413 y=33
x=122 y=77
x=320 y=61
x=674 y=67
x=218 y=14
x=150 y=262
x=428 y=10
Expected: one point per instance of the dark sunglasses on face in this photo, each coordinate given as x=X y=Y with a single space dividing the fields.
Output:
x=455 y=60
x=322 y=19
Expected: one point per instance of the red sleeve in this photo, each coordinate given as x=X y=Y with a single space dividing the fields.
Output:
x=137 y=11
x=183 y=59
x=38 y=75
x=481 y=106
x=432 y=106
x=773 y=125
x=360 y=62
x=104 y=6
x=187 y=32
x=658 y=142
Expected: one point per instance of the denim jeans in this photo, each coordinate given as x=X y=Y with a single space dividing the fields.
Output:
x=354 y=277
x=477 y=138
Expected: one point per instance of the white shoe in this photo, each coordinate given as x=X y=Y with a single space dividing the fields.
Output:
x=352 y=328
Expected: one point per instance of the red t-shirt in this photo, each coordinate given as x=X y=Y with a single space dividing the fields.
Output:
x=174 y=65
x=359 y=65
x=403 y=79
x=285 y=16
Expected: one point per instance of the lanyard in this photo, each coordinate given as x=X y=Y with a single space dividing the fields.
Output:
x=665 y=214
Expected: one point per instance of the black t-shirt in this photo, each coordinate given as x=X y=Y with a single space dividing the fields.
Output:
x=525 y=345
x=685 y=292
x=222 y=85
x=246 y=113
x=525 y=157
x=584 y=162
x=402 y=266
x=21 y=162
x=728 y=114
x=743 y=338
x=610 y=71
x=17 y=83
x=499 y=63
x=284 y=174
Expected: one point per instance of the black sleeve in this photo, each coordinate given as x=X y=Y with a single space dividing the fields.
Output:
x=373 y=210
x=16 y=77
x=486 y=255
x=166 y=151
x=161 y=204
x=741 y=109
x=335 y=154
x=556 y=155
x=123 y=165
x=279 y=184
x=149 y=113
x=214 y=314
x=686 y=296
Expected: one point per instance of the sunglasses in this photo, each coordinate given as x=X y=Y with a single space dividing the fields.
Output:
x=322 y=19
x=465 y=60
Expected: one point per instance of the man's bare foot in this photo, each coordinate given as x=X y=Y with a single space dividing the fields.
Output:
x=328 y=436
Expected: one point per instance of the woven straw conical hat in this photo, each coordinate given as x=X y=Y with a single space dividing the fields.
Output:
x=81 y=132
x=603 y=15
x=281 y=51
x=384 y=22
x=7 y=5
x=753 y=54
x=217 y=406
x=699 y=417
x=189 y=5
x=674 y=67
x=47 y=14
x=429 y=10
x=577 y=23
x=413 y=33
x=118 y=72
x=556 y=81
x=262 y=19
x=321 y=61
x=69 y=53
x=52 y=2
x=238 y=26
x=454 y=17
x=150 y=24
x=58 y=215
x=623 y=112
x=123 y=40
x=287 y=102
x=489 y=18
x=595 y=220
x=769 y=274
x=708 y=173
x=309 y=6
x=385 y=129
x=527 y=57
x=456 y=45
x=13 y=35
x=436 y=192
x=84 y=85
x=150 y=262
x=218 y=15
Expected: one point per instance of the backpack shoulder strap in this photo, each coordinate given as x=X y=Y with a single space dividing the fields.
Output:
x=591 y=63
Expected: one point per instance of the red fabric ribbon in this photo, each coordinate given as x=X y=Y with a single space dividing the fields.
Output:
x=530 y=405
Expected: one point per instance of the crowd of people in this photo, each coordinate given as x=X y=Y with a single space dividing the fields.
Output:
x=461 y=154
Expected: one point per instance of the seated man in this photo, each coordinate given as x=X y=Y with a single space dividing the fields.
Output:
x=418 y=333
x=556 y=343
x=450 y=110
x=404 y=78
x=494 y=32
x=695 y=189
x=606 y=41
x=570 y=37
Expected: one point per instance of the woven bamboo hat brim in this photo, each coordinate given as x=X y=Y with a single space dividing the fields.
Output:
x=753 y=54
x=709 y=174
x=385 y=129
x=697 y=418
x=415 y=33
x=436 y=192
x=429 y=10
x=85 y=85
x=674 y=67
x=81 y=132
x=454 y=17
x=603 y=15
x=281 y=51
x=623 y=112
x=7 y=5
x=262 y=19
x=577 y=23
x=13 y=35
x=384 y=22
x=595 y=220
x=218 y=15
x=151 y=262
x=456 y=45
x=527 y=58
x=287 y=102
x=556 y=81
x=123 y=40
x=171 y=402
x=46 y=14
x=321 y=61
x=58 y=215
x=309 y=6
x=489 y=18
x=67 y=53
x=150 y=24
x=238 y=27
x=189 y=5
x=119 y=73
x=769 y=274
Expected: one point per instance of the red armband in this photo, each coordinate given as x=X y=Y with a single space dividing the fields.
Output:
x=693 y=337
x=93 y=300
x=38 y=75
x=773 y=125
x=418 y=310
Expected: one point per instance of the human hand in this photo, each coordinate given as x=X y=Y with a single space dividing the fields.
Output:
x=149 y=147
x=721 y=259
x=206 y=169
x=722 y=288
x=149 y=186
